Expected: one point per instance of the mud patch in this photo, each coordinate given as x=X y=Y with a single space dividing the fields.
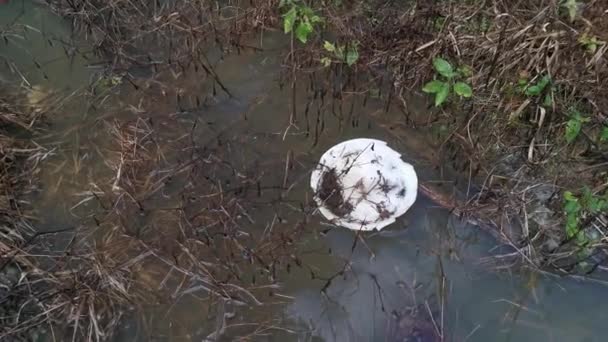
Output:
x=331 y=194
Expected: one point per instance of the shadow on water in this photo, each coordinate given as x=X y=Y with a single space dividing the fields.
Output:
x=342 y=286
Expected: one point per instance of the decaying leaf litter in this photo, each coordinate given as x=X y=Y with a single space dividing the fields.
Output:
x=512 y=139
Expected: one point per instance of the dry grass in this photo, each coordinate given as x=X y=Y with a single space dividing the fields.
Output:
x=510 y=146
x=166 y=199
x=182 y=32
x=18 y=158
x=67 y=294
x=166 y=227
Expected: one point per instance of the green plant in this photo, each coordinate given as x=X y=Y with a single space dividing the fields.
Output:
x=301 y=17
x=572 y=208
x=446 y=80
x=571 y=6
x=604 y=134
x=590 y=43
x=576 y=208
x=541 y=86
x=574 y=125
x=438 y=23
x=347 y=54
x=594 y=204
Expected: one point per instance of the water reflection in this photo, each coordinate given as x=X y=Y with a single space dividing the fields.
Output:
x=434 y=264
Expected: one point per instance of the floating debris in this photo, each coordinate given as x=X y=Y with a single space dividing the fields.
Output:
x=363 y=184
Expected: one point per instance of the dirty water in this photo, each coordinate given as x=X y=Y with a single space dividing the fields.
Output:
x=348 y=289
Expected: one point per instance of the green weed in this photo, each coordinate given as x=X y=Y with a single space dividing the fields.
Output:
x=590 y=43
x=572 y=208
x=446 y=81
x=571 y=7
x=574 y=125
x=577 y=208
x=542 y=86
x=604 y=135
x=300 y=19
x=438 y=23
x=346 y=54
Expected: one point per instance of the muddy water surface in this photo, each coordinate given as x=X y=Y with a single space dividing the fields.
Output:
x=346 y=289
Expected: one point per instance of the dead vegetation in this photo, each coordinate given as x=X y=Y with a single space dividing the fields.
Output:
x=17 y=156
x=182 y=32
x=168 y=199
x=82 y=286
x=168 y=217
x=164 y=227
x=511 y=140
x=178 y=212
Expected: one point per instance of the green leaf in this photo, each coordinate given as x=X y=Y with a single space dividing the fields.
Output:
x=604 y=134
x=543 y=82
x=573 y=128
x=587 y=197
x=315 y=19
x=306 y=12
x=595 y=205
x=463 y=89
x=352 y=55
x=289 y=19
x=538 y=88
x=433 y=87
x=569 y=196
x=592 y=203
x=533 y=90
x=571 y=225
x=442 y=94
x=325 y=61
x=582 y=239
x=522 y=82
x=443 y=67
x=329 y=47
x=548 y=101
x=589 y=43
x=591 y=47
x=303 y=30
x=574 y=125
x=572 y=209
x=572 y=8
x=438 y=23
x=339 y=53
x=602 y=205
